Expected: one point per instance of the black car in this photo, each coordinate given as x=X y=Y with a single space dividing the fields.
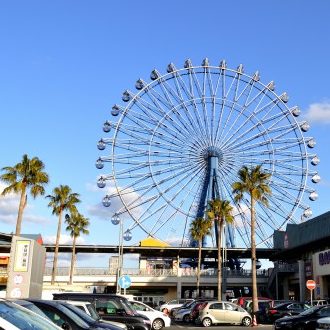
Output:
x=110 y=307
x=68 y=316
x=306 y=320
x=286 y=309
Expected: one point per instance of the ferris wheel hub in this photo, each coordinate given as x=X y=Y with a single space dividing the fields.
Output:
x=212 y=152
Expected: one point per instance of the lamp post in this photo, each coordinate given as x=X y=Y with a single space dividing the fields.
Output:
x=127 y=236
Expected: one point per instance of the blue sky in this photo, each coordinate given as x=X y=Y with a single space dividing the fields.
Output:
x=63 y=64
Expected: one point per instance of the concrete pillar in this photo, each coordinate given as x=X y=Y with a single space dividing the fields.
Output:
x=178 y=288
x=285 y=285
x=302 y=280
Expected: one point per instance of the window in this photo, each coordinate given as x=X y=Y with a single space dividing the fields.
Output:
x=216 y=306
x=324 y=311
x=230 y=307
x=138 y=307
x=52 y=315
x=106 y=307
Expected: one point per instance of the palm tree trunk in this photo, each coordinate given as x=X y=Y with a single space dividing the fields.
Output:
x=199 y=267
x=22 y=203
x=253 y=261
x=57 y=243
x=219 y=262
x=73 y=259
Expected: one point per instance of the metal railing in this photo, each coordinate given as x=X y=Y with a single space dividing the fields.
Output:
x=184 y=272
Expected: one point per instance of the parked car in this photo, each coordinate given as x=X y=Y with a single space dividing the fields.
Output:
x=68 y=316
x=323 y=323
x=191 y=312
x=241 y=300
x=167 y=307
x=158 y=319
x=263 y=306
x=183 y=314
x=16 y=317
x=186 y=305
x=90 y=310
x=32 y=307
x=194 y=313
x=286 y=309
x=223 y=312
x=317 y=302
x=282 y=301
x=306 y=320
x=110 y=307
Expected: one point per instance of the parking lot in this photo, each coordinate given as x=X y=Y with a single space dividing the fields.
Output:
x=175 y=326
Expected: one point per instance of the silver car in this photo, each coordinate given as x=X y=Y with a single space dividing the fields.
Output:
x=217 y=312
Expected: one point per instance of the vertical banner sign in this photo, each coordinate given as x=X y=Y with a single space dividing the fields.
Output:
x=22 y=256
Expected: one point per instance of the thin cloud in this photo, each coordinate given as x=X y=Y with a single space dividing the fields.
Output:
x=319 y=112
x=64 y=239
x=130 y=198
x=9 y=208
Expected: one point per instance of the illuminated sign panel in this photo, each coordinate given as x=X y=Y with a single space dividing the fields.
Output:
x=324 y=258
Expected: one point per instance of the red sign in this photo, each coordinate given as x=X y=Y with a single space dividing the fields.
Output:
x=310 y=285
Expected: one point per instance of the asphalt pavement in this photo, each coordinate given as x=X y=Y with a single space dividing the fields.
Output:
x=181 y=326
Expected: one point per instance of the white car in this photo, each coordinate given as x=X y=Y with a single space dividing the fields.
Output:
x=166 y=308
x=158 y=319
x=323 y=323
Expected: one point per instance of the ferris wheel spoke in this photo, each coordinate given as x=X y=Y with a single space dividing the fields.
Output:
x=166 y=205
x=189 y=124
x=172 y=108
x=247 y=89
x=170 y=202
x=198 y=129
x=200 y=117
x=194 y=182
x=145 y=135
x=249 y=118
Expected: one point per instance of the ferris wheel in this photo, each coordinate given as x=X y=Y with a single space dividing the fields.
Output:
x=182 y=138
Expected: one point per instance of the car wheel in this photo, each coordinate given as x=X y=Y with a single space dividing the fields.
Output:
x=246 y=321
x=157 y=324
x=207 y=322
x=186 y=318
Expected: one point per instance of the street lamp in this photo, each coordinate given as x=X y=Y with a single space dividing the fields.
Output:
x=127 y=236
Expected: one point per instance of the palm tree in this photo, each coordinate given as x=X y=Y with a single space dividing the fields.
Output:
x=76 y=224
x=199 y=228
x=220 y=211
x=61 y=200
x=255 y=183
x=26 y=175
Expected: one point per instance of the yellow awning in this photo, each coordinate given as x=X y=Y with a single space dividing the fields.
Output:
x=150 y=241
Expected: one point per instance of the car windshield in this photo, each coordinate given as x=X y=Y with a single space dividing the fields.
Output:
x=73 y=316
x=93 y=312
x=24 y=318
x=128 y=308
x=187 y=304
x=80 y=313
x=31 y=307
x=310 y=310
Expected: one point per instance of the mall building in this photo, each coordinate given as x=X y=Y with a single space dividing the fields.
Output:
x=304 y=254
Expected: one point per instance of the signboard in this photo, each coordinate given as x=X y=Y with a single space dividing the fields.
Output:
x=310 y=285
x=125 y=282
x=22 y=256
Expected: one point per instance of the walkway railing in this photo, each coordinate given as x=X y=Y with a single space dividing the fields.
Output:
x=185 y=272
